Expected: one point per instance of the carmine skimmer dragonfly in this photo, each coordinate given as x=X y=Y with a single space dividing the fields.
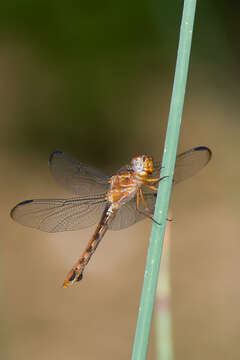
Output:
x=118 y=201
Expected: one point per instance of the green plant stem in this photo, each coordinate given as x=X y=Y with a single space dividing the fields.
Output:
x=162 y=203
x=163 y=323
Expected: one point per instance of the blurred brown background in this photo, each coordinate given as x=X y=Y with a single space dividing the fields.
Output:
x=94 y=79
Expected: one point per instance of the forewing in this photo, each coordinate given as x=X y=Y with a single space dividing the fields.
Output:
x=76 y=177
x=187 y=163
x=55 y=215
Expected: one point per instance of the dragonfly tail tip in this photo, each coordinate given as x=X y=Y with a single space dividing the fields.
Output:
x=66 y=284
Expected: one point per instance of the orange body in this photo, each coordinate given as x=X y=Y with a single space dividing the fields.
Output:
x=123 y=187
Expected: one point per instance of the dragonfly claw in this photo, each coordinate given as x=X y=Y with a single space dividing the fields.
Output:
x=156 y=222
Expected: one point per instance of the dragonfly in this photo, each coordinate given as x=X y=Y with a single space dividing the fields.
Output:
x=119 y=201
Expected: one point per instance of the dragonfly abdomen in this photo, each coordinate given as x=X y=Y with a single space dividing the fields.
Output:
x=76 y=273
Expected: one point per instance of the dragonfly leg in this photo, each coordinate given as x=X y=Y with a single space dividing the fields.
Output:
x=154 y=188
x=144 y=212
x=154 y=180
x=168 y=219
x=142 y=198
x=149 y=212
x=148 y=182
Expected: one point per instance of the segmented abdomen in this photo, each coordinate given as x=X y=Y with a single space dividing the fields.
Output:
x=76 y=272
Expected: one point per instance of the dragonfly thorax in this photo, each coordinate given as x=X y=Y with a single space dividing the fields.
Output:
x=142 y=165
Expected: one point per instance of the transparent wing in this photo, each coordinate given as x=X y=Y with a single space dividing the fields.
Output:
x=128 y=215
x=188 y=163
x=54 y=215
x=75 y=176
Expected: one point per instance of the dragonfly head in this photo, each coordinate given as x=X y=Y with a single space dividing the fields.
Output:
x=142 y=164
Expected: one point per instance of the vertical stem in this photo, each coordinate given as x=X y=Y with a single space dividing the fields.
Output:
x=169 y=156
x=163 y=326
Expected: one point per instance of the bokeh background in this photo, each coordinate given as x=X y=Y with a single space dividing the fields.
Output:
x=94 y=79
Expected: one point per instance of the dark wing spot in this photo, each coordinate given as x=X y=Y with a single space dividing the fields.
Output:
x=53 y=154
x=200 y=148
x=20 y=204
x=25 y=202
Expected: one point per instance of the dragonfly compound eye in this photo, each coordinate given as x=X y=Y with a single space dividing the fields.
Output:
x=137 y=163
